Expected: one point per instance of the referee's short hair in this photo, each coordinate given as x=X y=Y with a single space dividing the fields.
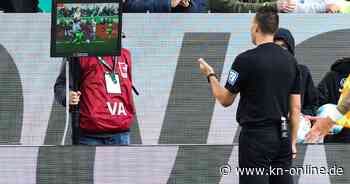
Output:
x=267 y=19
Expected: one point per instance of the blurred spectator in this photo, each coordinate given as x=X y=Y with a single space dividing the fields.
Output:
x=153 y=6
x=285 y=6
x=321 y=6
x=165 y=6
x=285 y=39
x=19 y=6
x=246 y=6
x=329 y=92
x=7 y=6
x=332 y=82
x=203 y=5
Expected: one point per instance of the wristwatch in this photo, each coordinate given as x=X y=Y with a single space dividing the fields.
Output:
x=210 y=75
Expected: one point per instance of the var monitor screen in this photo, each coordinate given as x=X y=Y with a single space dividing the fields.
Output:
x=86 y=28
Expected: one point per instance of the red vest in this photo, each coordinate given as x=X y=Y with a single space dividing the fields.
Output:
x=101 y=112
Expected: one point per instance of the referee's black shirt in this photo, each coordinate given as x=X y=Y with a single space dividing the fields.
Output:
x=265 y=77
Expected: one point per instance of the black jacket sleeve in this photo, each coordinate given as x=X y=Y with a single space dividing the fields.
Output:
x=74 y=80
x=310 y=93
x=163 y=6
x=60 y=86
x=142 y=6
x=328 y=89
x=196 y=6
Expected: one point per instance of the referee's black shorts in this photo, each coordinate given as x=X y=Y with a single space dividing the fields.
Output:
x=261 y=146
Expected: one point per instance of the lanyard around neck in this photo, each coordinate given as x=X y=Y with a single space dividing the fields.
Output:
x=112 y=69
x=105 y=64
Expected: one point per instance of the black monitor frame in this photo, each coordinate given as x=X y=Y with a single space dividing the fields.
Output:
x=113 y=52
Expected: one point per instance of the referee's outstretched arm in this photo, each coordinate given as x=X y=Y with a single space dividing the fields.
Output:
x=224 y=96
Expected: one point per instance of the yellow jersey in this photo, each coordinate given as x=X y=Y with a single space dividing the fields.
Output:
x=345 y=121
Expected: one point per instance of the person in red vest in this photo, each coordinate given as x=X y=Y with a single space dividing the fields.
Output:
x=102 y=89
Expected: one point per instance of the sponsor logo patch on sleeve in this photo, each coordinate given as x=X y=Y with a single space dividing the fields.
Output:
x=232 y=77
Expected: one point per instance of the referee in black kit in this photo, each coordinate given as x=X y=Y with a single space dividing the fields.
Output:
x=267 y=79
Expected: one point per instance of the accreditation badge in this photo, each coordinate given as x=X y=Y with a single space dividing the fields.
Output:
x=112 y=83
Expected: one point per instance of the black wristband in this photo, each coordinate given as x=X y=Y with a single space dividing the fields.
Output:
x=210 y=75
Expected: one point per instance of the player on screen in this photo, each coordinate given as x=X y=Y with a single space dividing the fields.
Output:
x=76 y=25
x=93 y=23
x=77 y=13
x=67 y=28
x=78 y=37
x=109 y=30
x=77 y=32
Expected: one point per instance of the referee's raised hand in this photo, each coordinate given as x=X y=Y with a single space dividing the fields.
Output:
x=205 y=68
